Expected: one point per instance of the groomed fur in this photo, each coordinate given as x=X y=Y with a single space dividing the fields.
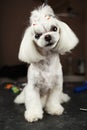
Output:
x=43 y=41
x=68 y=40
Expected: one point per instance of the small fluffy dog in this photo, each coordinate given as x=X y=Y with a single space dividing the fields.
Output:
x=43 y=41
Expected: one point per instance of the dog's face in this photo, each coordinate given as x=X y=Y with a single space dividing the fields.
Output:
x=46 y=33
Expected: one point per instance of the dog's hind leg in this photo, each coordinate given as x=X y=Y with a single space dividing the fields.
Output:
x=64 y=98
x=20 y=98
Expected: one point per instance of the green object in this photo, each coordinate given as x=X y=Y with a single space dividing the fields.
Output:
x=15 y=89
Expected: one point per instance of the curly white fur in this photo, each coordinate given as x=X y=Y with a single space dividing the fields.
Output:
x=43 y=41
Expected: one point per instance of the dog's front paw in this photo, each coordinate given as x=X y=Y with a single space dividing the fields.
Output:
x=34 y=115
x=54 y=110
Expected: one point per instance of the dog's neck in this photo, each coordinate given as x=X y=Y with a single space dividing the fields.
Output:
x=51 y=59
x=50 y=56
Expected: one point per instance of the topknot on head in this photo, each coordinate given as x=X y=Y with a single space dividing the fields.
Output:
x=44 y=11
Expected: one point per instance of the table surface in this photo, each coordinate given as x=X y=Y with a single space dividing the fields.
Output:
x=12 y=115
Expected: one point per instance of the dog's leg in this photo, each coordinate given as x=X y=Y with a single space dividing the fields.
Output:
x=33 y=104
x=64 y=98
x=20 y=98
x=43 y=100
x=53 y=105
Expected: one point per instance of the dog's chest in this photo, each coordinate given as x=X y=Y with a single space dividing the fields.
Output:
x=45 y=74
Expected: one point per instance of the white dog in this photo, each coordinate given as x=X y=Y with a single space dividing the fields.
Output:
x=43 y=41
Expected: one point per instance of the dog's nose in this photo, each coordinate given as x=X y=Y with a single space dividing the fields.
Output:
x=48 y=38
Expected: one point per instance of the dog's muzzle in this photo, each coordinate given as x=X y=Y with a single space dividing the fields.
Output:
x=49 y=44
x=48 y=39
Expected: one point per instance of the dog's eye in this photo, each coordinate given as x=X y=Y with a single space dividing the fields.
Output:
x=37 y=35
x=54 y=28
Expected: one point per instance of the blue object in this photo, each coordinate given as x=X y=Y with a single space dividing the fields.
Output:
x=85 y=83
x=81 y=88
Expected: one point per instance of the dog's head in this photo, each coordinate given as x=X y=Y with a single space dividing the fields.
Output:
x=45 y=32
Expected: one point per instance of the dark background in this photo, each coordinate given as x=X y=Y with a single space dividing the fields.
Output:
x=14 y=19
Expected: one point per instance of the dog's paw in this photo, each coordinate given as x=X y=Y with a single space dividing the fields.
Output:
x=32 y=116
x=54 y=110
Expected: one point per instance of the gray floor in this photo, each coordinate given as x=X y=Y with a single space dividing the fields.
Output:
x=11 y=115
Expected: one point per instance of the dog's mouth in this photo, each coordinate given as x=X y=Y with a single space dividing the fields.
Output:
x=49 y=44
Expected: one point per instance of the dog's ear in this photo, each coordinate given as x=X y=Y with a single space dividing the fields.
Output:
x=68 y=40
x=28 y=52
